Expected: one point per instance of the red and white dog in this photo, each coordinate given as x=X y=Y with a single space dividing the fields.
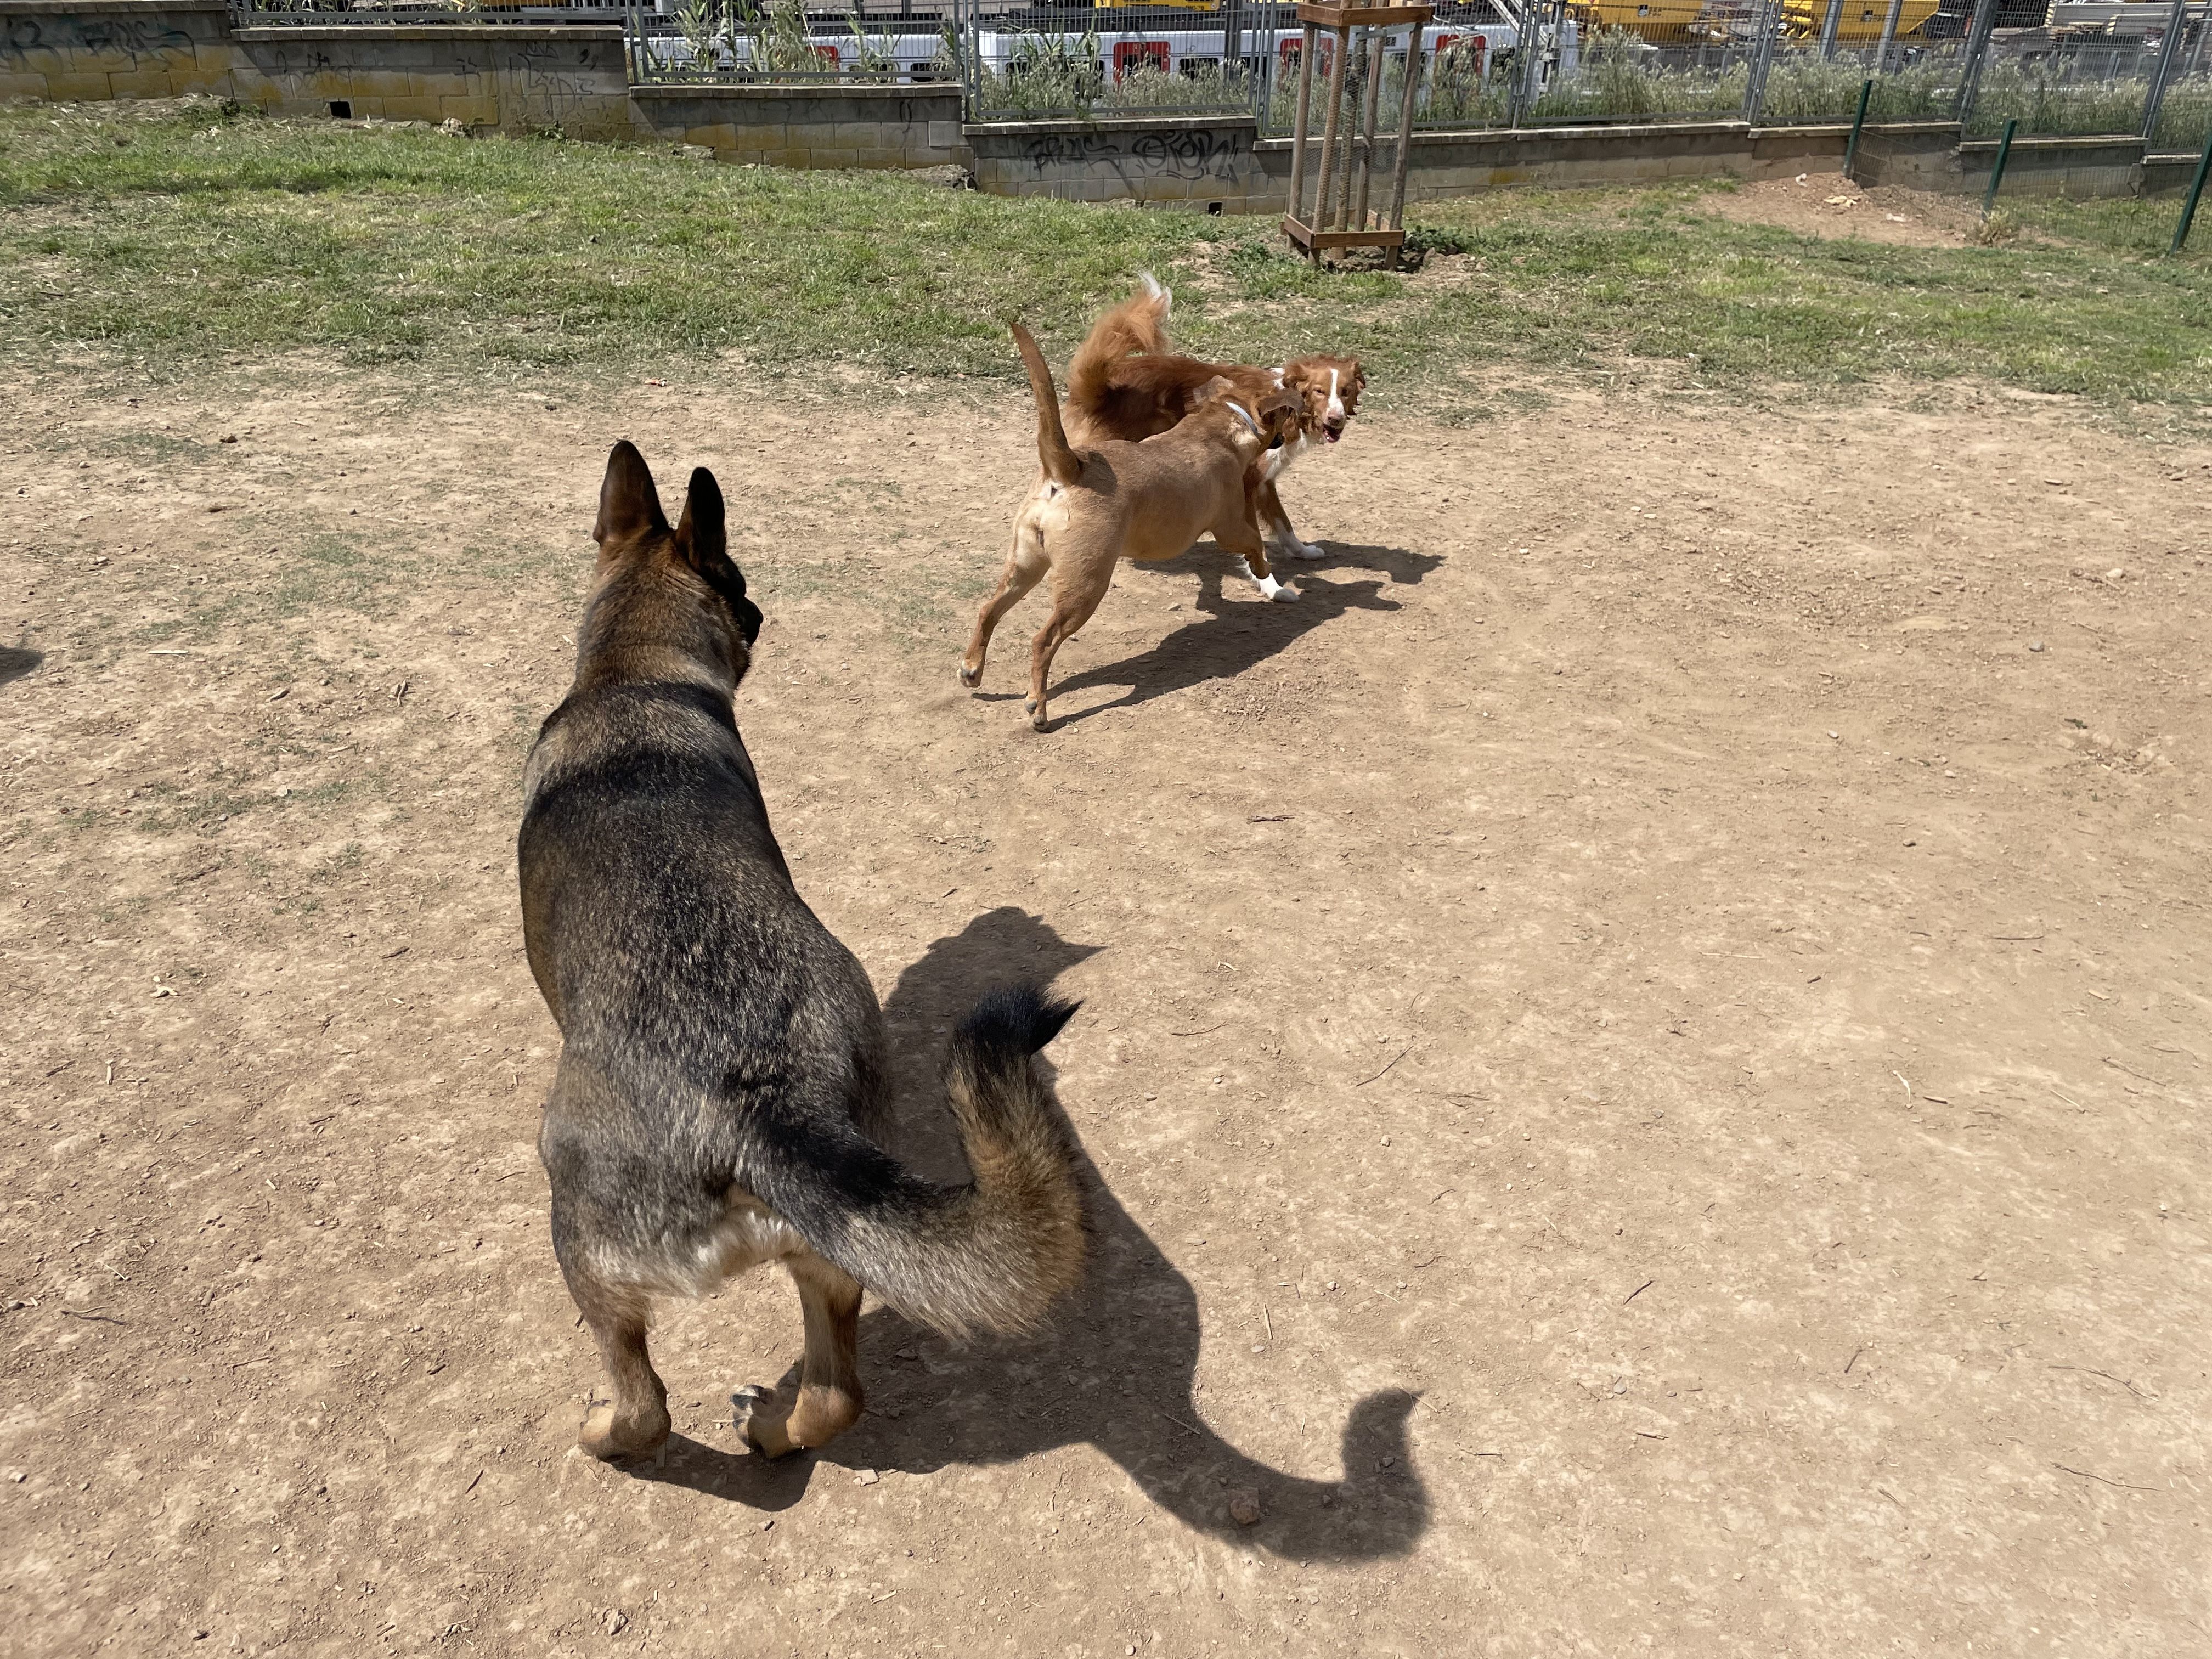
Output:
x=1123 y=383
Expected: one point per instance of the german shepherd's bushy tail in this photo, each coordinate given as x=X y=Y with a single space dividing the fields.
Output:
x=992 y=1255
x=1137 y=325
x=1062 y=464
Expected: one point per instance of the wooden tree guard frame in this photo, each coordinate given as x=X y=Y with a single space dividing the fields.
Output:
x=1339 y=217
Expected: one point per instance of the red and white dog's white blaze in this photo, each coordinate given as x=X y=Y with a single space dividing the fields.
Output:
x=1123 y=383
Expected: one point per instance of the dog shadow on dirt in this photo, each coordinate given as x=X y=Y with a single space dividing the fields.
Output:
x=1113 y=1370
x=1232 y=636
x=16 y=662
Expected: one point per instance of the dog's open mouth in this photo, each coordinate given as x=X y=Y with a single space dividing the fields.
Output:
x=1332 y=433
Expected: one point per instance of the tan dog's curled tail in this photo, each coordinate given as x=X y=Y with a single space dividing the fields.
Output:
x=1137 y=325
x=1062 y=464
x=992 y=1255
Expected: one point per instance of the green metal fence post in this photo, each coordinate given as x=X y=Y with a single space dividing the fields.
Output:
x=1996 y=171
x=2196 y=190
x=1858 y=124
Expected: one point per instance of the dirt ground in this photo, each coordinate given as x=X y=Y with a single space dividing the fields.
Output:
x=1829 y=205
x=1644 y=1056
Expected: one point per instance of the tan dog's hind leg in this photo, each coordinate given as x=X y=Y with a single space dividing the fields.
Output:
x=634 y=1424
x=829 y=1399
x=1240 y=538
x=1071 y=608
x=1269 y=506
x=1025 y=568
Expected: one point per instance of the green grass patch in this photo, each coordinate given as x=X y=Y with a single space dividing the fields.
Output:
x=200 y=237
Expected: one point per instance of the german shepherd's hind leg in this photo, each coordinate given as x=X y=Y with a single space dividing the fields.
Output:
x=634 y=1423
x=1025 y=568
x=829 y=1401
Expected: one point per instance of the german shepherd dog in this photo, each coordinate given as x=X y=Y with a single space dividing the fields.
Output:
x=723 y=1081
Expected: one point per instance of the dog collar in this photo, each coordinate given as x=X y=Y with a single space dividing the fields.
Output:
x=1278 y=441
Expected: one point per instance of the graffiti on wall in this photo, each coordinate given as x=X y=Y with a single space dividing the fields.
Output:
x=1191 y=156
x=119 y=36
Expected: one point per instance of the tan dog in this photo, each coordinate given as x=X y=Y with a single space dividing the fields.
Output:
x=1114 y=500
x=1123 y=383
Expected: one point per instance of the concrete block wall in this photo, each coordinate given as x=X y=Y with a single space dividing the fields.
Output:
x=70 y=50
x=1191 y=162
x=514 y=79
x=846 y=126
x=1915 y=154
x=518 y=79
x=2055 y=167
x=1461 y=164
x=510 y=78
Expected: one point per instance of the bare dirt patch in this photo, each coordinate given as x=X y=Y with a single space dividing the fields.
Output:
x=1643 y=1056
x=1828 y=204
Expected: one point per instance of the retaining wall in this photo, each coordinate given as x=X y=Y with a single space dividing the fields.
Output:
x=1447 y=164
x=854 y=126
x=1215 y=163
x=529 y=79
x=2055 y=167
x=93 y=50
x=513 y=79
x=2163 y=173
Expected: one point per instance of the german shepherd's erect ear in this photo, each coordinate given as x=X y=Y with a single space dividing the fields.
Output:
x=703 y=543
x=630 y=513
x=629 y=506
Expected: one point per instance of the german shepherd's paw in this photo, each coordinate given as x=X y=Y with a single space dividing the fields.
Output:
x=774 y=1427
x=971 y=677
x=763 y=1426
x=608 y=1439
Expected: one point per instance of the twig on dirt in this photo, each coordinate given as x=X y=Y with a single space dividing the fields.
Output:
x=2076 y=1105
x=2128 y=1486
x=1266 y=1320
x=1272 y=817
x=1890 y=1495
x=1900 y=1076
x=90 y=1317
x=1179 y=1424
x=2131 y=1072
x=2017 y=938
x=1852 y=1361
x=1637 y=1292
x=1447 y=1192
x=1200 y=1031
x=2092 y=1371
x=472 y=1486
x=1647 y=1435
x=1395 y=1058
